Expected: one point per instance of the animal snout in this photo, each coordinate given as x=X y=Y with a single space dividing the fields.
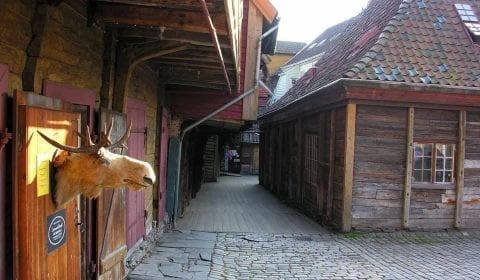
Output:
x=148 y=180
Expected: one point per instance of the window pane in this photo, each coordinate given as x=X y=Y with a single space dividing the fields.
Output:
x=439 y=176
x=449 y=164
x=427 y=176
x=417 y=174
x=449 y=150
x=427 y=163
x=418 y=150
x=439 y=164
x=427 y=150
x=418 y=163
x=448 y=176
x=440 y=150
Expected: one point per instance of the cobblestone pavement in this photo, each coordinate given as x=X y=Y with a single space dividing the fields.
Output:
x=401 y=255
x=244 y=256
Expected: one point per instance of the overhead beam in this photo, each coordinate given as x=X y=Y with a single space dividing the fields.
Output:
x=168 y=4
x=216 y=43
x=192 y=65
x=194 y=38
x=125 y=67
x=153 y=16
x=193 y=59
x=195 y=84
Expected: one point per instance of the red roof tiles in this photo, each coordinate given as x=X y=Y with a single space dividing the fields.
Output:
x=409 y=41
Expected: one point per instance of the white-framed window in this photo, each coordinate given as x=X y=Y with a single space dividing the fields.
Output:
x=434 y=162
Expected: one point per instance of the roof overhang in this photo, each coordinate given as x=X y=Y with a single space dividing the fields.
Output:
x=343 y=91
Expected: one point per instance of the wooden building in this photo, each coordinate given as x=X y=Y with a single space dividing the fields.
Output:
x=383 y=132
x=160 y=64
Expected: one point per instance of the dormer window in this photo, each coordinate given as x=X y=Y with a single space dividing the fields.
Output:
x=466 y=13
x=470 y=20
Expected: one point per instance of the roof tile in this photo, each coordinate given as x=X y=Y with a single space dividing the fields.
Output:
x=417 y=42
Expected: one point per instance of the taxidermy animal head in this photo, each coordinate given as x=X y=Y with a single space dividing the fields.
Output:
x=86 y=170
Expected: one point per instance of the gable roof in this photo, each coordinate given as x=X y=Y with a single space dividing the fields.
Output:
x=288 y=47
x=409 y=41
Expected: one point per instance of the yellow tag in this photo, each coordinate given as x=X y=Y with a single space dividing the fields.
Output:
x=43 y=174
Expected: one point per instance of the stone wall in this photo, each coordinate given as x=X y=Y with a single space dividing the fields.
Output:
x=14 y=41
x=70 y=51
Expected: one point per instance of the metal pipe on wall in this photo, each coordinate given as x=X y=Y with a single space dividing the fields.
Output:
x=212 y=114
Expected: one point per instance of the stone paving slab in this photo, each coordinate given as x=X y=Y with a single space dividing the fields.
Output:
x=178 y=255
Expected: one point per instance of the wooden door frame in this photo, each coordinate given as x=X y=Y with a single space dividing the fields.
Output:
x=3 y=175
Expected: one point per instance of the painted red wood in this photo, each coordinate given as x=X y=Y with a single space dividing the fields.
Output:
x=199 y=105
x=71 y=94
x=162 y=168
x=3 y=178
x=136 y=149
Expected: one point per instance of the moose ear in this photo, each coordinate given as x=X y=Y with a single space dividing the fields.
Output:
x=60 y=159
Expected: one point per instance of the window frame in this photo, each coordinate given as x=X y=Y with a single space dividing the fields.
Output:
x=432 y=183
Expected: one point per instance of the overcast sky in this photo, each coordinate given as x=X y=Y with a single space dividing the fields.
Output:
x=304 y=20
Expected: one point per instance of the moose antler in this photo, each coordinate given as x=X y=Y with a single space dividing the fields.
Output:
x=103 y=141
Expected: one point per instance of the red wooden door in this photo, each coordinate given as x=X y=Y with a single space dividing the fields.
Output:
x=33 y=209
x=162 y=168
x=3 y=179
x=136 y=149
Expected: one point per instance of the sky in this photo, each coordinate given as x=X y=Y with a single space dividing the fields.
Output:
x=304 y=20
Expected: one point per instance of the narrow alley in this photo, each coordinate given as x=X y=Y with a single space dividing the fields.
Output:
x=235 y=229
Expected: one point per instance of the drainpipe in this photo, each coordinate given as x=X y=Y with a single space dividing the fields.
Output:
x=258 y=82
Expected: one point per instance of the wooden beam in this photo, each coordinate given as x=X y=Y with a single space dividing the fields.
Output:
x=331 y=165
x=125 y=67
x=198 y=39
x=408 y=169
x=168 y=4
x=196 y=84
x=108 y=77
x=194 y=59
x=153 y=16
x=190 y=65
x=254 y=31
x=350 y=120
x=462 y=127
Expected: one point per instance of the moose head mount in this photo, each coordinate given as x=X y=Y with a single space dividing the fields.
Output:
x=86 y=170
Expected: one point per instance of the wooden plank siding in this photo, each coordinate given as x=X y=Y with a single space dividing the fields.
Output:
x=339 y=159
x=471 y=198
x=380 y=154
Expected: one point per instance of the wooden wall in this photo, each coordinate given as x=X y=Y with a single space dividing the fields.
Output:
x=380 y=154
x=471 y=199
x=338 y=167
x=282 y=158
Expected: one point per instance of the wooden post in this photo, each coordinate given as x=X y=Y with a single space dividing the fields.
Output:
x=331 y=165
x=462 y=123
x=350 y=119
x=108 y=77
x=408 y=169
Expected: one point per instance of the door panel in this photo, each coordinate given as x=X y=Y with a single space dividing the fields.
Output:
x=33 y=204
x=136 y=149
x=111 y=239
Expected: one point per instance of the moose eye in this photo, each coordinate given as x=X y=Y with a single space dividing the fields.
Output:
x=104 y=161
